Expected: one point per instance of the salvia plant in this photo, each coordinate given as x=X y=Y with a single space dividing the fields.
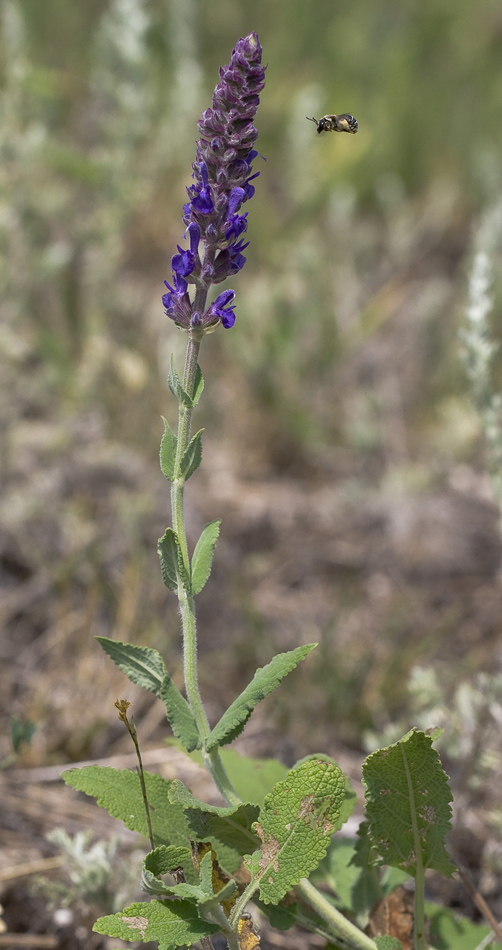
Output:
x=273 y=842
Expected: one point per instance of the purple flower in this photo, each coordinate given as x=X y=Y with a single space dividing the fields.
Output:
x=183 y=263
x=222 y=309
x=222 y=173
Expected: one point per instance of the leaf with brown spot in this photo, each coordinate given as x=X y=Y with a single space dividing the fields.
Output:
x=295 y=825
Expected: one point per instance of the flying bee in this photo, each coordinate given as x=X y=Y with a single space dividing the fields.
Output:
x=336 y=123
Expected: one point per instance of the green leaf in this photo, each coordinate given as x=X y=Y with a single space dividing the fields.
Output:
x=179 y=714
x=448 y=930
x=119 y=791
x=198 y=387
x=408 y=804
x=168 y=446
x=251 y=778
x=192 y=456
x=229 y=830
x=171 y=561
x=338 y=873
x=295 y=826
x=171 y=923
x=167 y=550
x=203 y=555
x=388 y=943
x=142 y=665
x=165 y=859
x=265 y=680
x=176 y=388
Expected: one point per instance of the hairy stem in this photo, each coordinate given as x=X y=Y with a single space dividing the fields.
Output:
x=338 y=924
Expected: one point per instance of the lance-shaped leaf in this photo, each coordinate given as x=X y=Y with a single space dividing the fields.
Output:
x=168 y=446
x=198 y=387
x=179 y=714
x=142 y=665
x=170 y=923
x=192 y=456
x=176 y=388
x=229 y=830
x=408 y=805
x=295 y=826
x=203 y=555
x=265 y=680
x=119 y=791
x=171 y=561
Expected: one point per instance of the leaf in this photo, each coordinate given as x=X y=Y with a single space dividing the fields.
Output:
x=171 y=561
x=388 y=943
x=198 y=387
x=168 y=553
x=448 y=930
x=174 y=383
x=203 y=555
x=179 y=714
x=408 y=805
x=164 y=859
x=119 y=791
x=168 y=446
x=159 y=862
x=338 y=873
x=171 y=923
x=142 y=665
x=229 y=830
x=192 y=456
x=265 y=680
x=295 y=826
x=251 y=778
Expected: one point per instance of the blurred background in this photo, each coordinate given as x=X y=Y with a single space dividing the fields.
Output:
x=343 y=449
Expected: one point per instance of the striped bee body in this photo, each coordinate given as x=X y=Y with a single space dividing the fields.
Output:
x=336 y=123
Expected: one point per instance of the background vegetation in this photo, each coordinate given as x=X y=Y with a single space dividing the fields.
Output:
x=341 y=449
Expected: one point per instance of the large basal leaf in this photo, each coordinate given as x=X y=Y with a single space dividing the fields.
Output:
x=203 y=555
x=119 y=791
x=170 y=923
x=142 y=665
x=179 y=714
x=408 y=805
x=295 y=825
x=265 y=680
x=229 y=830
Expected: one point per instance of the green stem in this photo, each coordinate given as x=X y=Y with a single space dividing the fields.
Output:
x=215 y=767
x=337 y=922
x=187 y=606
x=212 y=760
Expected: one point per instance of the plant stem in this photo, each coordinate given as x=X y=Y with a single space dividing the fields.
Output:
x=337 y=922
x=212 y=760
